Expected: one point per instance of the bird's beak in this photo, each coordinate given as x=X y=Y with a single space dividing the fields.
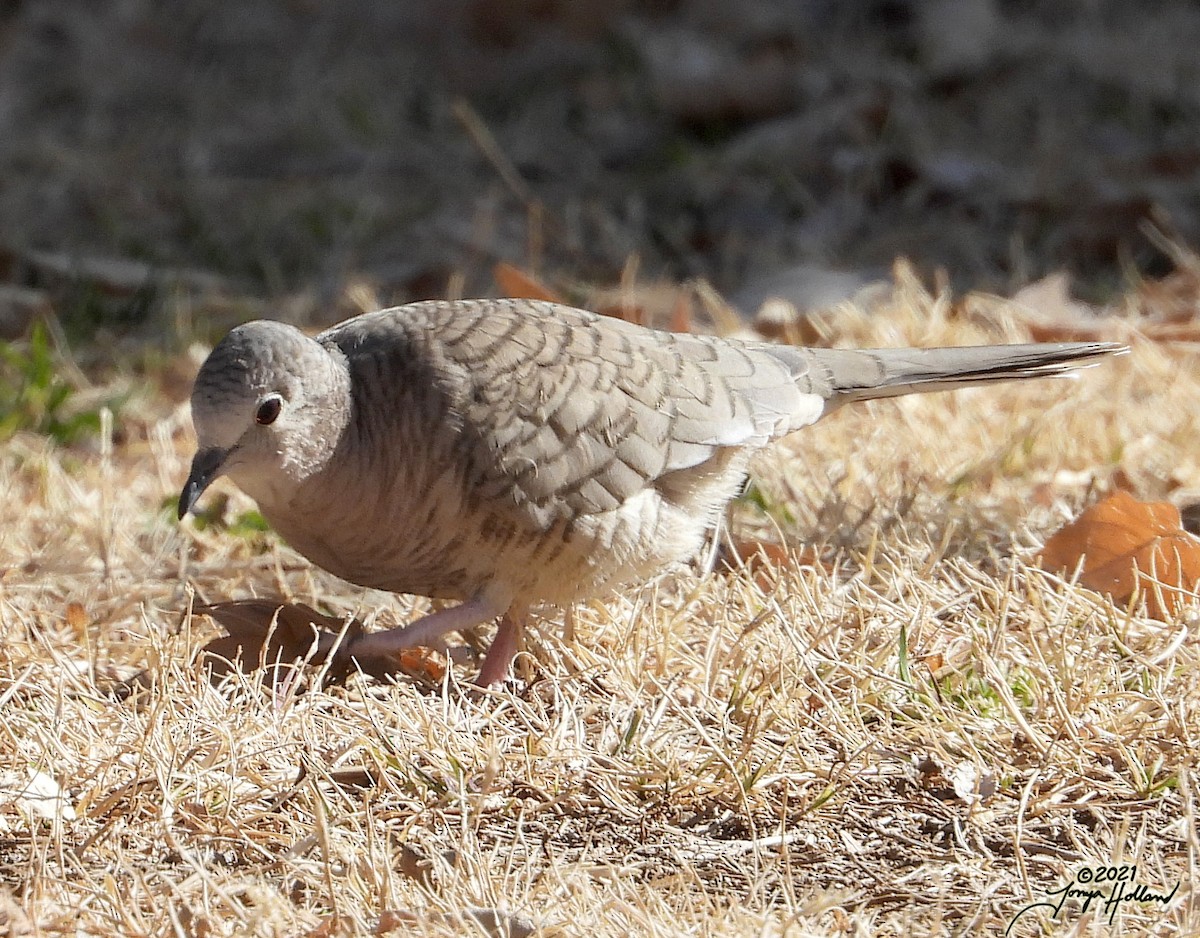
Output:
x=206 y=466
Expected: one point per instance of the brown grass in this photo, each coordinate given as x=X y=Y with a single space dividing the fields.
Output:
x=921 y=738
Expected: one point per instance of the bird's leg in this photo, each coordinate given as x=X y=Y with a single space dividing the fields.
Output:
x=424 y=630
x=504 y=648
x=719 y=530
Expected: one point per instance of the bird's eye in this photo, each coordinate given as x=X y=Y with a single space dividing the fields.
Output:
x=268 y=410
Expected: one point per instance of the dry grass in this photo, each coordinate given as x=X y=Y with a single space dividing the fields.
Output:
x=922 y=738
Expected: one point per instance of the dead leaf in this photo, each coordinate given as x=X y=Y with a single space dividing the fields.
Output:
x=490 y=922
x=780 y=320
x=265 y=632
x=970 y=785
x=628 y=311
x=416 y=865
x=36 y=794
x=1123 y=481
x=518 y=284
x=269 y=633
x=1053 y=315
x=1163 y=310
x=658 y=305
x=423 y=662
x=1129 y=547
x=77 y=618
x=764 y=559
x=1172 y=300
x=681 y=314
x=751 y=553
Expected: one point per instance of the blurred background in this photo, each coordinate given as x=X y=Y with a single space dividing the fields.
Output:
x=288 y=150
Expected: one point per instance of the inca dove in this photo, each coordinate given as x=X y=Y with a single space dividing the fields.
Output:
x=508 y=453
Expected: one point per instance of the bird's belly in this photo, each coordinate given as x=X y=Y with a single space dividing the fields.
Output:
x=436 y=549
x=397 y=557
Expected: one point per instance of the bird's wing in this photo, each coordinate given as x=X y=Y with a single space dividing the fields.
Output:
x=569 y=413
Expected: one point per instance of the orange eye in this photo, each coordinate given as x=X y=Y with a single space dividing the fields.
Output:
x=268 y=410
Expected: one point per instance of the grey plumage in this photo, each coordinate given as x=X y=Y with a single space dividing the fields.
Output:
x=508 y=453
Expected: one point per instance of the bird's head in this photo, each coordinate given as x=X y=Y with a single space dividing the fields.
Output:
x=268 y=406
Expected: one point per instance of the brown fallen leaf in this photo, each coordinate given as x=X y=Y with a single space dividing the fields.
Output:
x=518 y=284
x=1127 y=547
x=764 y=559
x=934 y=662
x=418 y=865
x=1174 y=299
x=658 y=305
x=422 y=662
x=266 y=633
x=1162 y=310
x=490 y=922
x=780 y=320
x=681 y=314
x=1053 y=315
x=274 y=634
x=628 y=311
x=77 y=618
x=748 y=553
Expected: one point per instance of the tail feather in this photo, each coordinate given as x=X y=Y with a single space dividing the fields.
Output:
x=892 y=372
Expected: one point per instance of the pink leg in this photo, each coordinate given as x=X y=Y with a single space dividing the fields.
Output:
x=504 y=648
x=424 y=630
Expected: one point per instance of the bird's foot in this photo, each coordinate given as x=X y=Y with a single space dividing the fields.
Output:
x=376 y=651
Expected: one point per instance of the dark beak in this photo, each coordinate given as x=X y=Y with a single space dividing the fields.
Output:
x=205 y=467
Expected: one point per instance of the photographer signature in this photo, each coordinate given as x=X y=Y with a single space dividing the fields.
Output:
x=1107 y=886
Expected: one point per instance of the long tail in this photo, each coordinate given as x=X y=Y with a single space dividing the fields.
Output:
x=867 y=374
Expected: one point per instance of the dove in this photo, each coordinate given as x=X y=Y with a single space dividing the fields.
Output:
x=513 y=454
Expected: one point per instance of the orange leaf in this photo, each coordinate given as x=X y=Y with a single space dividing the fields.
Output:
x=423 y=662
x=934 y=662
x=681 y=313
x=628 y=311
x=755 y=553
x=1129 y=546
x=77 y=617
x=520 y=285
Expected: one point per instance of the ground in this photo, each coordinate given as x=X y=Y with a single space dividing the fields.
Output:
x=908 y=728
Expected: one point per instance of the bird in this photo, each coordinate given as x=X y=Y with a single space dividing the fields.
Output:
x=512 y=454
